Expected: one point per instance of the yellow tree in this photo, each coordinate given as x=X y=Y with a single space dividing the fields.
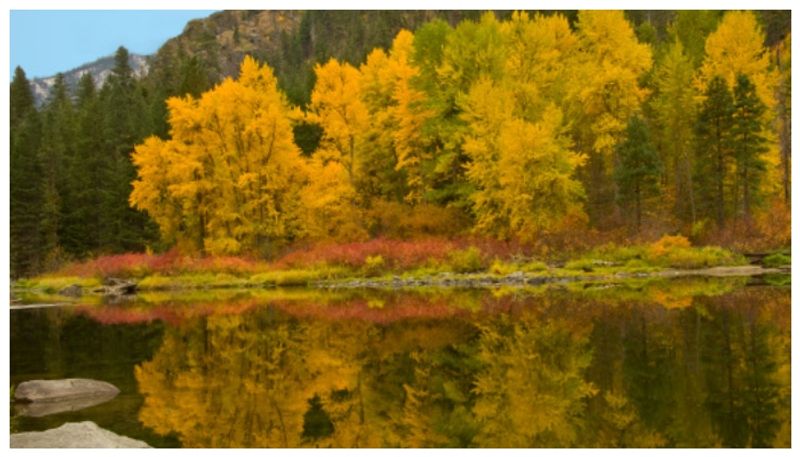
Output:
x=523 y=170
x=540 y=61
x=737 y=47
x=337 y=107
x=230 y=175
x=675 y=108
x=394 y=141
x=604 y=93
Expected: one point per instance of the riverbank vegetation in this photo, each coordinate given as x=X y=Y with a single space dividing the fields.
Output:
x=534 y=143
x=382 y=263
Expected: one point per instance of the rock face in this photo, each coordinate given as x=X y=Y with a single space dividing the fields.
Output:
x=74 y=435
x=62 y=390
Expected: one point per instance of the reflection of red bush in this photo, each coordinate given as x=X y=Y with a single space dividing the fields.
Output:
x=393 y=309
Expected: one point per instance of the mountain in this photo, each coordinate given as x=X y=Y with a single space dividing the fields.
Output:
x=291 y=42
x=99 y=69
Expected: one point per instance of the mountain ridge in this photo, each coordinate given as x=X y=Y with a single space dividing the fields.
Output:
x=100 y=70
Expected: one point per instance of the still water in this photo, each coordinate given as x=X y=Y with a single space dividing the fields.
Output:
x=681 y=363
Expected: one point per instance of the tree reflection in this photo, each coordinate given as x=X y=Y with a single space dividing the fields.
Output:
x=542 y=371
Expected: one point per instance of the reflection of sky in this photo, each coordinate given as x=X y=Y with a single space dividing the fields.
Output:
x=46 y=42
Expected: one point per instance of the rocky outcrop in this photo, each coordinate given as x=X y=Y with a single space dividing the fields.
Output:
x=62 y=390
x=75 y=435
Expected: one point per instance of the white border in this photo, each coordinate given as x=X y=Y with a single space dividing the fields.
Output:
x=350 y=4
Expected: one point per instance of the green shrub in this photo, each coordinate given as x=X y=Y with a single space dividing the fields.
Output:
x=467 y=260
x=777 y=260
x=534 y=266
x=587 y=265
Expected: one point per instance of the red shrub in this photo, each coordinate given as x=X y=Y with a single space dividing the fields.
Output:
x=168 y=263
x=396 y=253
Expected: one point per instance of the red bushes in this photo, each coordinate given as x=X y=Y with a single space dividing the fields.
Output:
x=400 y=254
x=403 y=254
x=168 y=263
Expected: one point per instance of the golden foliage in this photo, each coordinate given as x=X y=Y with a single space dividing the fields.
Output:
x=228 y=179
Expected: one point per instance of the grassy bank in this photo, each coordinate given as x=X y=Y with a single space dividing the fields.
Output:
x=381 y=261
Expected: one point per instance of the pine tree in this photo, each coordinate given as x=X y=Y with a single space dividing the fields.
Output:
x=713 y=130
x=126 y=122
x=85 y=185
x=638 y=167
x=57 y=148
x=21 y=100
x=749 y=144
x=25 y=174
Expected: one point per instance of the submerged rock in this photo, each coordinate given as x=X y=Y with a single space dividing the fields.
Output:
x=60 y=390
x=75 y=435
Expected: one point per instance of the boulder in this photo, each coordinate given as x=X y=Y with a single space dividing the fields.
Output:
x=46 y=408
x=71 y=291
x=74 y=435
x=59 y=390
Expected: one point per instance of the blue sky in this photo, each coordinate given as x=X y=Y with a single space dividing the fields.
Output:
x=46 y=42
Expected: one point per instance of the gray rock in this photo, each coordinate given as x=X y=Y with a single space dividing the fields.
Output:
x=518 y=275
x=59 y=390
x=75 y=435
x=71 y=291
x=46 y=408
x=116 y=286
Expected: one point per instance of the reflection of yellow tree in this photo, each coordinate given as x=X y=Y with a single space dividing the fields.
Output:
x=225 y=383
x=244 y=381
x=531 y=389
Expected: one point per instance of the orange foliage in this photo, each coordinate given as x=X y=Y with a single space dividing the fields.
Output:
x=667 y=243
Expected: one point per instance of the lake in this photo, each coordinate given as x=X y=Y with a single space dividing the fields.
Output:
x=695 y=362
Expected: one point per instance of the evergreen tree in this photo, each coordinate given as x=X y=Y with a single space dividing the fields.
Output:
x=85 y=185
x=25 y=174
x=57 y=149
x=21 y=100
x=639 y=167
x=748 y=141
x=126 y=123
x=713 y=130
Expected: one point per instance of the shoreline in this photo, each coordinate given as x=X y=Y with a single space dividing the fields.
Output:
x=409 y=280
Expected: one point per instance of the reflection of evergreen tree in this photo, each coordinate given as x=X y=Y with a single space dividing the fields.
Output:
x=760 y=397
x=743 y=393
x=648 y=368
x=724 y=400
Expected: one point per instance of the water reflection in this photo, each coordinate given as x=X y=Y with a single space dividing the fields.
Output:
x=547 y=371
x=677 y=364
